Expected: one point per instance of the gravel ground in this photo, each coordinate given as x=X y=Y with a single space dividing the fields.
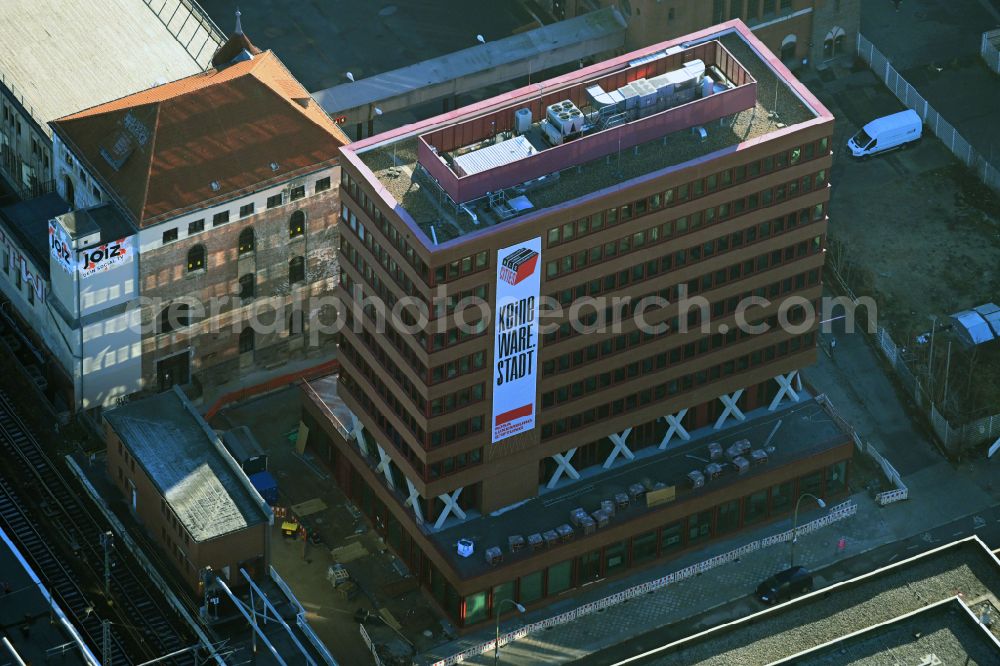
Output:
x=801 y=626
x=944 y=631
x=394 y=166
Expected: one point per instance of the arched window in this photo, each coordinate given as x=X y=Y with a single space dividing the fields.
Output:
x=248 y=286
x=296 y=322
x=296 y=224
x=174 y=316
x=247 y=242
x=297 y=270
x=70 y=191
x=246 y=340
x=788 y=45
x=833 y=43
x=196 y=258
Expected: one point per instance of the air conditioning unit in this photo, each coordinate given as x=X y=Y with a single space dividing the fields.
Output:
x=522 y=121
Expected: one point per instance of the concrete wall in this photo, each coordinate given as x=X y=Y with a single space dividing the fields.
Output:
x=21 y=281
x=73 y=183
x=25 y=150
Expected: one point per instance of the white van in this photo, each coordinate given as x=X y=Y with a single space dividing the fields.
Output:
x=886 y=133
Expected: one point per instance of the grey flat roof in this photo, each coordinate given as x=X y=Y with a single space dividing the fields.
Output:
x=29 y=222
x=105 y=218
x=965 y=567
x=182 y=456
x=806 y=429
x=948 y=630
x=467 y=62
x=63 y=56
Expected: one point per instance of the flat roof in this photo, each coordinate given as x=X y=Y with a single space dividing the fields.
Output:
x=948 y=630
x=61 y=56
x=452 y=67
x=185 y=460
x=389 y=161
x=835 y=613
x=28 y=221
x=806 y=429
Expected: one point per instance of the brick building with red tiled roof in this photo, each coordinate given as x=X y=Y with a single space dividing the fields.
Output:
x=226 y=180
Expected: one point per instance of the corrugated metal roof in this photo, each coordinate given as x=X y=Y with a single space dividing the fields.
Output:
x=974 y=326
x=172 y=445
x=493 y=156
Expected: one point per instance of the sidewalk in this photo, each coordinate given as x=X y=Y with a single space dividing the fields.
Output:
x=867 y=529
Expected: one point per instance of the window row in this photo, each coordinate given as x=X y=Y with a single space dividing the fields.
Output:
x=614 y=346
x=662 y=233
x=349 y=186
x=672 y=387
x=197 y=260
x=665 y=541
x=707 y=281
x=667 y=360
x=296 y=222
x=695 y=189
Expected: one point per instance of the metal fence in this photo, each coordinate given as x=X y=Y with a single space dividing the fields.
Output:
x=190 y=25
x=839 y=512
x=942 y=129
x=953 y=438
x=990 y=49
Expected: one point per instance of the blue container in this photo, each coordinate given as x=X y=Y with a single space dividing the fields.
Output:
x=266 y=485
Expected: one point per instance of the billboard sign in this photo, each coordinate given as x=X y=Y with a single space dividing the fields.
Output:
x=515 y=348
x=101 y=258
x=61 y=247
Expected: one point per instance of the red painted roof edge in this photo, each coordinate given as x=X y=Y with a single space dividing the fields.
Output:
x=452 y=117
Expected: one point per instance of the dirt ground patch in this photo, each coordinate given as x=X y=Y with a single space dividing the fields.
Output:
x=924 y=245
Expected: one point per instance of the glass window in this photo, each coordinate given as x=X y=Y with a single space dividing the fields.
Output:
x=671 y=538
x=756 y=507
x=502 y=592
x=699 y=527
x=812 y=483
x=297 y=193
x=589 y=566
x=475 y=608
x=644 y=547
x=531 y=587
x=614 y=558
x=560 y=577
x=836 y=477
x=728 y=518
x=170 y=235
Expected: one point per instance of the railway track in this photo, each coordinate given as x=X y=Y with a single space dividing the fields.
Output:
x=140 y=617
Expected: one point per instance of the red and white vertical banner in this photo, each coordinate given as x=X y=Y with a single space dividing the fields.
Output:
x=515 y=348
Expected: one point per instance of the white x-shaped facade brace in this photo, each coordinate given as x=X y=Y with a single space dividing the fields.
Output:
x=357 y=433
x=385 y=466
x=619 y=441
x=675 y=428
x=413 y=501
x=731 y=409
x=785 y=382
x=450 y=507
x=563 y=466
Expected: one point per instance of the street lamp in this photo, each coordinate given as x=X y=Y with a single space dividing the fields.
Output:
x=795 y=523
x=498 y=609
x=480 y=39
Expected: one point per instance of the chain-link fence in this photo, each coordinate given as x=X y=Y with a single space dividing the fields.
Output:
x=942 y=129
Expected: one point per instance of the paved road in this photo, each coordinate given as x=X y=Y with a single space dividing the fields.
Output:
x=989 y=532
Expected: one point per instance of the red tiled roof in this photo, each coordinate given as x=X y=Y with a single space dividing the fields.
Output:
x=224 y=125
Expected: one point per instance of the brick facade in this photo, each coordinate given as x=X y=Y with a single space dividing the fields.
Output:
x=213 y=342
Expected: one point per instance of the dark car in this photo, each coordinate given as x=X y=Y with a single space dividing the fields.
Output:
x=784 y=585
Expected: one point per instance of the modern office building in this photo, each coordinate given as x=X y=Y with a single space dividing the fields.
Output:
x=801 y=32
x=697 y=165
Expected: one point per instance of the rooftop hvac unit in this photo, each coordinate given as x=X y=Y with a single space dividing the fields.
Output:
x=465 y=547
x=700 y=132
x=522 y=121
